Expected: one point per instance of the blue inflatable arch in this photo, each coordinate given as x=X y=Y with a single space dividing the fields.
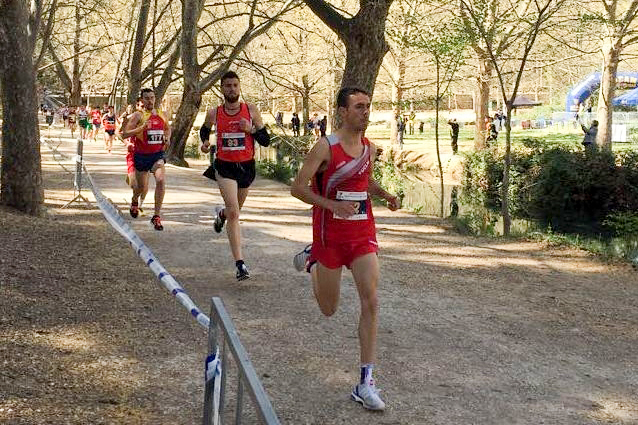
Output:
x=581 y=91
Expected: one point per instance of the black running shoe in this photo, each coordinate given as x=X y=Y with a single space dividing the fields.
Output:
x=242 y=272
x=219 y=221
x=134 y=210
x=156 y=221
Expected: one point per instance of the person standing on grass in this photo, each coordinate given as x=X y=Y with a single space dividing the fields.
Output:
x=340 y=169
x=454 y=135
x=237 y=126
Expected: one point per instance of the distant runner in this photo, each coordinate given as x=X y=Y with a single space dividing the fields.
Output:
x=108 y=122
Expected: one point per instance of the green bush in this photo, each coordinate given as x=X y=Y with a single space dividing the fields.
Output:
x=290 y=153
x=279 y=171
x=623 y=223
x=191 y=149
x=556 y=185
x=388 y=175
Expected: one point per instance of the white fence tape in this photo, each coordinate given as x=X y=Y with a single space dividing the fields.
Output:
x=113 y=216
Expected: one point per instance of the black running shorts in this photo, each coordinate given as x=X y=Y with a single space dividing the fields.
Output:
x=242 y=172
x=145 y=162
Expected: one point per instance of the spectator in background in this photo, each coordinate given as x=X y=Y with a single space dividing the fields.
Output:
x=420 y=127
x=589 y=141
x=454 y=135
x=411 y=119
x=400 y=130
x=492 y=133
x=296 y=124
x=315 y=126
x=323 y=125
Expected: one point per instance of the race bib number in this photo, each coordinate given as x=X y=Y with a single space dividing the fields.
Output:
x=359 y=199
x=233 y=141
x=155 y=137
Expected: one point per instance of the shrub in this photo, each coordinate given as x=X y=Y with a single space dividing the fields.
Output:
x=556 y=185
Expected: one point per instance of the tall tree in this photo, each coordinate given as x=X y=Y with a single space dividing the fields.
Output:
x=404 y=26
x=496 y=39
x=297 y=62
x=516 y=30
x=445 y=47
x=164 y=57
x=21 y=175
x=363 y=36
x=197 y=77
x=618 y=19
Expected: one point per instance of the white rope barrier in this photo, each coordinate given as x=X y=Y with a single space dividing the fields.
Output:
x=115 y=219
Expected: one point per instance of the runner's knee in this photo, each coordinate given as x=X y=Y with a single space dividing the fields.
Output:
x=328 y=307
x=231 y=213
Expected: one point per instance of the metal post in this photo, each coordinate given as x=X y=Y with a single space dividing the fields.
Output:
x=247 y=379
x=240 y=399
x=209 y=387
x=77 y=181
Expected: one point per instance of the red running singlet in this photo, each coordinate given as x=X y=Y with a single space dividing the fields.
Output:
x=233 y=144
x=346 y=178
x=109 y=122
x=153 y=137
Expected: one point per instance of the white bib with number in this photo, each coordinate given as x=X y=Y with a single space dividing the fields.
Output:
x=155 y=137
x=233 y=141
x=359 y=199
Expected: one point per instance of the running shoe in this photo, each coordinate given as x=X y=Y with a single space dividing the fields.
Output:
x=156 y=221
x=242 y=272
x=300 y=260
x=368 y=396
x=219 y=222
x=134 y=210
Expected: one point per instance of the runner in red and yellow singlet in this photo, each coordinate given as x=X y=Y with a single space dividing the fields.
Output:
x=150 y=133
x=339 y=167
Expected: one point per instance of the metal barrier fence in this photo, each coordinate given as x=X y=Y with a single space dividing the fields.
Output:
x=215 y=379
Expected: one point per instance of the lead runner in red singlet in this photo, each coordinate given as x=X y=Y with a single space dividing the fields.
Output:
x=339 y=168
x=237 y=126
x=150 y=132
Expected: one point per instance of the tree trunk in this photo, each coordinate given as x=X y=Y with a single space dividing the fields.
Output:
x=135 y=67
x=305 y=105
x=366 y=46
x=611 y=58
x=180 y=130
x=76 y=86
x=505 y=197
x=397 y=99
x=481 y=106
x=21 y=175
x=167 y=75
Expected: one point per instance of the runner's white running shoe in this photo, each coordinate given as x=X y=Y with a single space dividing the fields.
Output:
x=299 y=260
x=368 y=396
x=218 y=224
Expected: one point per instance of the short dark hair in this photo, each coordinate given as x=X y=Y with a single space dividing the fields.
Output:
x=146 y=90
x=228 y=75
x=344 y=94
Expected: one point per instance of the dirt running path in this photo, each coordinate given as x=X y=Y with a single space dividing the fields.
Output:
x=472 y=331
